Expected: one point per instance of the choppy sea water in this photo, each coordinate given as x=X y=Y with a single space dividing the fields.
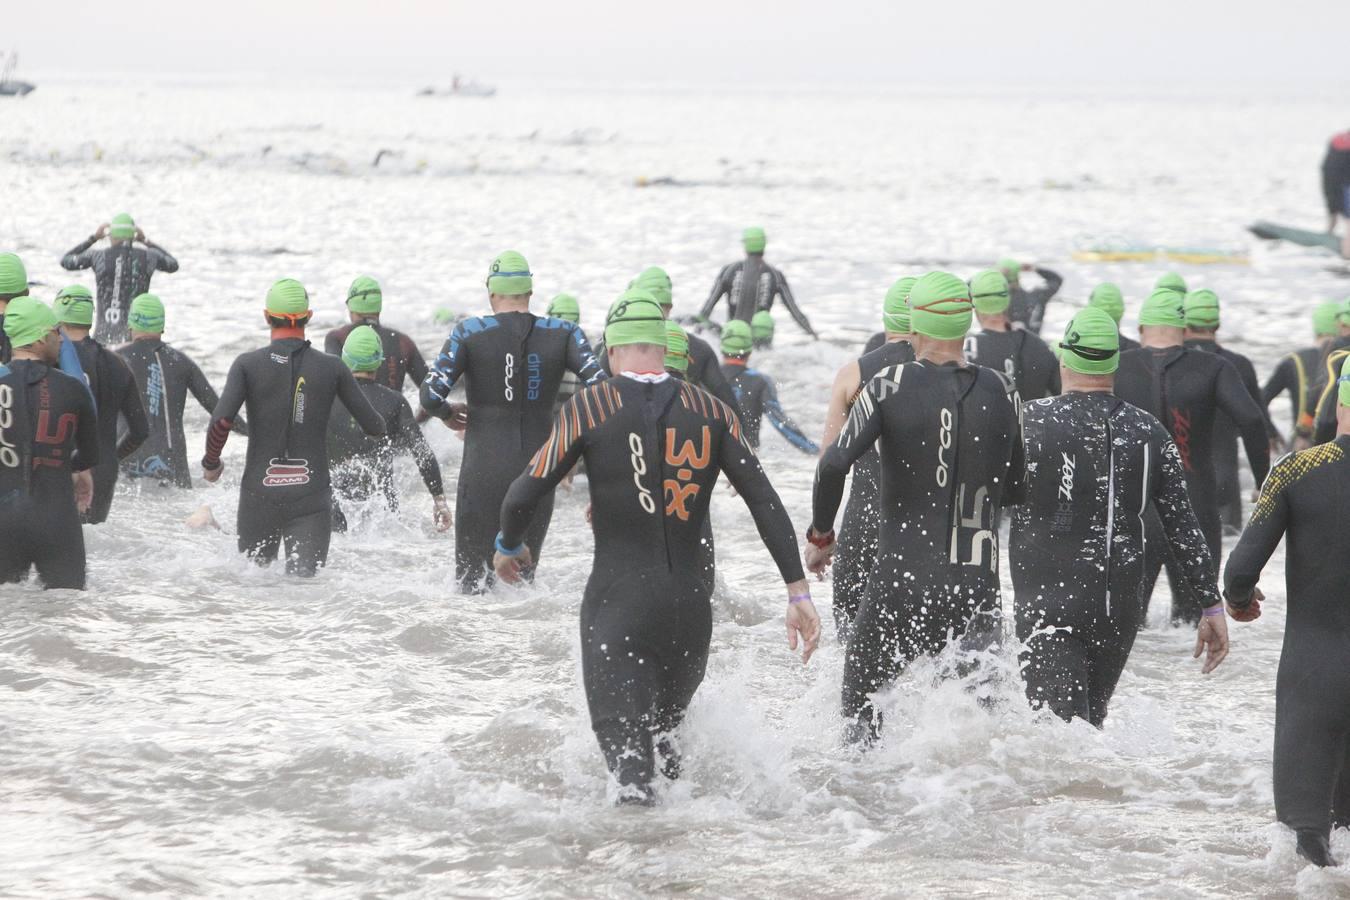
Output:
x=192 y=725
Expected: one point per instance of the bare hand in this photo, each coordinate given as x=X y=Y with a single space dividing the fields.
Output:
x=213 y=475
x=818 y=559
x=508 y=568
x=84 y=490
x=102 y=231
x=440 y=511
x=1252 y=611
x=802 y=621
x=140 y=235
x=1212 y=639
x=458 y=419
x=589 y=508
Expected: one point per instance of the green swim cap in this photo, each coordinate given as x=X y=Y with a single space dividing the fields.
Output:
x=510 y=275
x=565 y=306
x=635 y=318
x=895 y=314
x=656 y=282
x=122 y=227
x=147 y=314
x=1324 y=318
x=677 y=348
x=1091 y=343
x=761 y=326
x=1202 y=308
x=1342 y=388
x=1010 y=268
x=287 y=297
x=364 y=296
x=74 y=305
x=1343 y=313
x=13 y=276
x=28 y=320
x=1164 y=307
x=989 y=292
x=1107 y=297
x=754 y=239
x=1171 y=280
x=737 y=338
x=363 y=350
x=940 y=306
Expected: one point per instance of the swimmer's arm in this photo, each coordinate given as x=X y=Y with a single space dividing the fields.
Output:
x=349 y=392
x=79 y=256
x=411 y=438
x=449 y=367
x=416 y=364
x=164 y=260
x=332 y=343
x=841 y=396
x=222 y=419
x=719 y=290
x=747 y=476
x=1173 y=504
x=581 y=359
x=786 y=427
x=791 y=303
x=550 y=464
x=86 y=434
x=206 y=395
x=1281 y=380
x=133 y=410
x=1259 y=539
x=1246 y=415
x=858 y=434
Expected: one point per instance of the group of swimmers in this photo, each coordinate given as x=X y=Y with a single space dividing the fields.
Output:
x=1111 y=455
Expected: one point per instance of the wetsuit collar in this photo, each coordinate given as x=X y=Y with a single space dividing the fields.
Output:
x=733 y=361
x=647 y=377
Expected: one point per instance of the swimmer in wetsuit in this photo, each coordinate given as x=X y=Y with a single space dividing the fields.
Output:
x=750 y=285
x=1076 y=544
x=761 y=329
x=115 y=394
x=1305 y=499
x=1019 y=354
x=122 y=272
x=856 y=548
x=1027 y=306
x=1336 y=179
x=756 y=394
x=402 y=359
x=1325 y=411
x=951 y=447
x=514 y=362
x=653 y=447
x=48 y=442
x=363 y=465
x=1300 y=374
x=1183 y=388
x=1108 y=298
x=288 y=388
x=566 y=307
x=164 y=377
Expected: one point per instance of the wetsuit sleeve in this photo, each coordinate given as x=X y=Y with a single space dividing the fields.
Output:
x=164 y=261
x=448 y=369
x=1040 y=297
x=786 y=427
x=86 y=434
x=741 y=466
x=552 y=461
x=859 y=433
x=1261 y=536
x=410 y=438
x=581 y=359
x=332 y=343
x=79 y=256
x=352 y=397
x=1284 y=378
x=1173 y=504
x=206 y=395
x=1324 y=411
x=236 y=388
x=1235 y=400
x=1253 y=386
x=790 y=302
x=417 y=366
x=720 y=289
x=131 y=407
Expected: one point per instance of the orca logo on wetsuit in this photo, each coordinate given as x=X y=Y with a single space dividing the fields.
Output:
x=510 y=373
x=1181 y=433
x=645 y=499
x=286 y=472
x=944 y=444
x=8 y=455
x=685 y=461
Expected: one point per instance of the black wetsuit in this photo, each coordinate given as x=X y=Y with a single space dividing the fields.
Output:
x=402 y=359
x=653 y=453
x=165 y=376
x=1336 y=175
x=1076 y=546
x=749 y=285
x=951 y=446
x=122 y=273
x=363 y=465
x=1299 y=374
x=1324 y=419
x=874 y=342
x=513 y=363
x=1226 y=437
x=1305 y=499
x=1028 y=305
x=1021 y=356
x=704 y=369
x=47 y=430
x=856 y=552
x=1127 y=344
x=757 y=397
x=288 y=388
x=1184 y=388
x=115 y=394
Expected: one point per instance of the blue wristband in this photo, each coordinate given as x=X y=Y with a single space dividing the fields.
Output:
x=503 y=550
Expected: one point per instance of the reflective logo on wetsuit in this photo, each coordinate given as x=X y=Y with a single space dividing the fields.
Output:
x=645 y=499
x=678 y=492
x=1181 y=433
x=1063 y=520
x=298 y=401
x=286 y=472
x=944 y=444
x=976 y=529
x=9 y=457
x=278 y=358
x=154 y=387
x=510 y=373
x=65 y=427
x=534 y=375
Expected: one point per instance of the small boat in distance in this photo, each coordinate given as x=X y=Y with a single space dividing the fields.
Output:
x=460 y=88
x=9 y=86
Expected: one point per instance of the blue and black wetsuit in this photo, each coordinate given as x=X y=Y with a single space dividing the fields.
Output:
x=513 y=363
x=951 y=446
x=757 y=397
x=115 y=395
x=653 y=453
x=122 y=273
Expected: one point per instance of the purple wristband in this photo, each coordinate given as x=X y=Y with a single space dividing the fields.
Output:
x=1216 y=610
x=798 y=598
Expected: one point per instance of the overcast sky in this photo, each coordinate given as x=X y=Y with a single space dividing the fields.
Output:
x=1073 y=43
